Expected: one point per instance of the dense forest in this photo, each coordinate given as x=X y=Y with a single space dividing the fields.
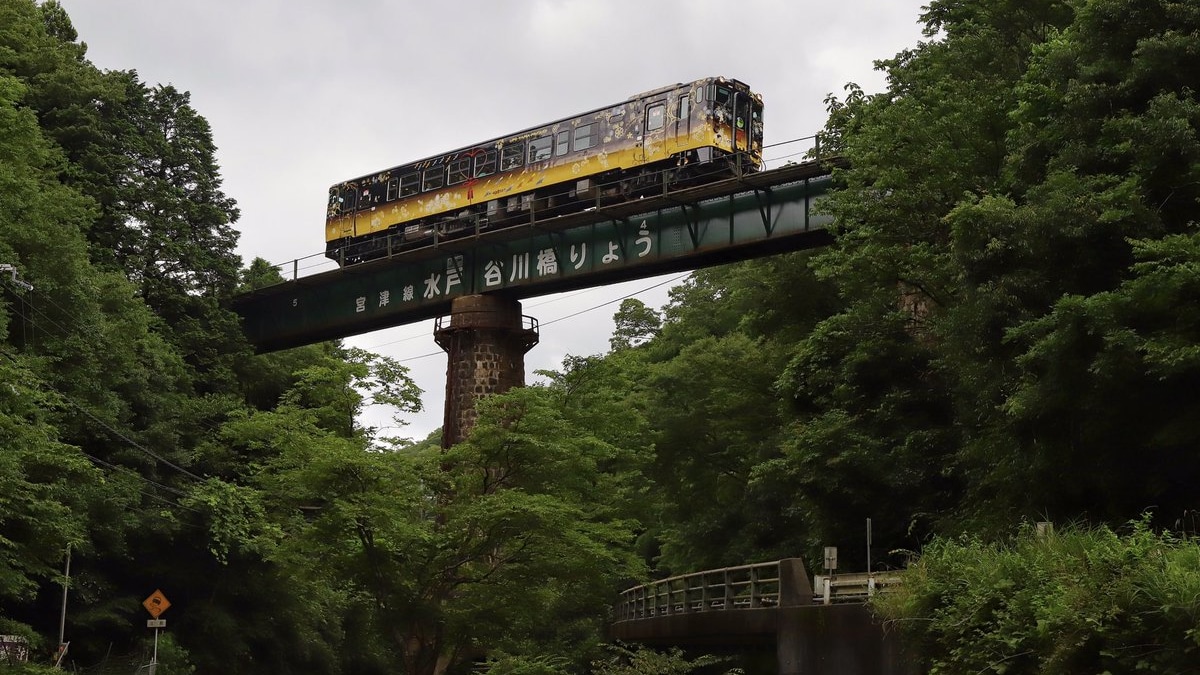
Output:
x=1007 y=330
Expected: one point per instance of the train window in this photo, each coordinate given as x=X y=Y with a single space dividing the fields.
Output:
x=583 y=137
x=393 y=189
x=459 y=171
x=348 y=199
x=539 y=149
x=433 y=178
x=410 y=184
x=724 y=98
x=685 y=108
x=654 y=117
x=512 y=156
x=562 y=143
x=485 y=164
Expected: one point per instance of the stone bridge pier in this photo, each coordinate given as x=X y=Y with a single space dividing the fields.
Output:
x=485 y=339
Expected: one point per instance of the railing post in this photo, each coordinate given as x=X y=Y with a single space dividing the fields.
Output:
x=728 y=601
x=755 y=600
x=687 y=594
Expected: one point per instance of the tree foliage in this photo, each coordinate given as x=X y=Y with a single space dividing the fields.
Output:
x=1081 y=600
x=1000 y=193
x=493 y=536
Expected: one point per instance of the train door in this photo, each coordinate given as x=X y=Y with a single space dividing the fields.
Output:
x=654 y=130
x=682 y=127
x=742 y=122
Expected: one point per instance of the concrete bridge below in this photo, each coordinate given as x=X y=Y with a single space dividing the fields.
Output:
x=767 y=604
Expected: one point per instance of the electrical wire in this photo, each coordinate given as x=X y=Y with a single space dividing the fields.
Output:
x=89 y=413
x=132 y=442
x=109 y=465
x=624 y=297
x=564 y=318
x=420 y=336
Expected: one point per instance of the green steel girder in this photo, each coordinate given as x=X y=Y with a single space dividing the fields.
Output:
x=758 y=215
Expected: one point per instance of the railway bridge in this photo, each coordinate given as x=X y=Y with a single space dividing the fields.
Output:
x=473 y=279
x=768 y=604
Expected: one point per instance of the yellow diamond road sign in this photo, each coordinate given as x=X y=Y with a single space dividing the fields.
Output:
x=156 y=604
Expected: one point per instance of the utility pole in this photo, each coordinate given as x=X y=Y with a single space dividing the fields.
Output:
x=62 y=618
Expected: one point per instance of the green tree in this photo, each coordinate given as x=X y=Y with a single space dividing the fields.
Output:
x=120 y=389
x=44 y=489
x=1103 y=169
x=1081 y=600
x=991 y=204
x=635 y=323
x=708 y=382
x=717 y=417
x=459 y=553
x=177 y=235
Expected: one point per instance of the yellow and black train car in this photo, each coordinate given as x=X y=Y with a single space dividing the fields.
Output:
x=684 y=132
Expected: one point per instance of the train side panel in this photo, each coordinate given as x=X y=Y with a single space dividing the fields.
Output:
x=672 y=125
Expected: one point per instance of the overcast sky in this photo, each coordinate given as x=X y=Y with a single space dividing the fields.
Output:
x=302 y=94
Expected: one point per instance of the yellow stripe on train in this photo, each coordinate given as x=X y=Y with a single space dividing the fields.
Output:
x=528 y=179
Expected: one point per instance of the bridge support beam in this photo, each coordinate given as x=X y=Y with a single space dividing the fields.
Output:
x=485 y=339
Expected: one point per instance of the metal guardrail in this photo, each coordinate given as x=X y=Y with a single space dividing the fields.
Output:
x=743 y=587
x=782 y=583
x=854 y=587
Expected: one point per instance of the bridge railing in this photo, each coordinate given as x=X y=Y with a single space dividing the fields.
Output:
x=761 y=585
x=853 y=587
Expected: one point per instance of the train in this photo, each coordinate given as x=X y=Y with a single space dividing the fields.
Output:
x=677 y=135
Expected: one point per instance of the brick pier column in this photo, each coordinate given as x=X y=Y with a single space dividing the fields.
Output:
x=485 y=339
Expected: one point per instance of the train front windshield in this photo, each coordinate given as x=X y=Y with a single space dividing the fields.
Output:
x=747 y=117
x=756 y=125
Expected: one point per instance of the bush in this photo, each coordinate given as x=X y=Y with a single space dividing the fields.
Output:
x=1072 y=602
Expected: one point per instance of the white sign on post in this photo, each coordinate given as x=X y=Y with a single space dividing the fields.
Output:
x=831 y=558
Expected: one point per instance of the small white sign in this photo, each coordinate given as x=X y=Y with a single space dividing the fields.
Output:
x=831 y=557
x=156 y=623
